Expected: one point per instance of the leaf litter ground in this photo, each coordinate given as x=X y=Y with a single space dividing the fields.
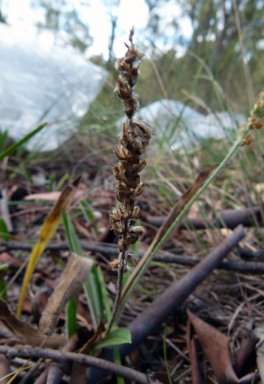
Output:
x=232 y=302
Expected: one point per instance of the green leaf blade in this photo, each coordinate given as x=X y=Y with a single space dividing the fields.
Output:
x=17 y=145
x=116 y=337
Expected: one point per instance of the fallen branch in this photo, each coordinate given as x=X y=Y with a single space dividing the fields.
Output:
x=165 y=257
x=54 y=373
x=63 y=357
x=229 y=218
x=167 y=303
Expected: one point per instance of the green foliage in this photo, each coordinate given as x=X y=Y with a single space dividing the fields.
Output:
x=51 y=182
x=116 y=337
x=3 y=140
x=88 y=214
x=62 y=181
x=3 y=268
x=92 y=285
x=71 y=311
x=9 y=151
x=74 y=245
x=92 y=288
x=4 y=230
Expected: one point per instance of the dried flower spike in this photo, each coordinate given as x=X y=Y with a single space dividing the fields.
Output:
x=134 y=139
x=253 y=122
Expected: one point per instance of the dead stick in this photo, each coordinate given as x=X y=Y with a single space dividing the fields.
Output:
x=4 y=369
x=62 y=357
x=166 y=257
x=56 y=372
x=167 y=303
x=230 y=218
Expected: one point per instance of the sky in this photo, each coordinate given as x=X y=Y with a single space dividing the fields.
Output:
x=23 y=18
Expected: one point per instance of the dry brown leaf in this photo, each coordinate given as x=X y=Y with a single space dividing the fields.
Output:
x=247 y=348
x=72 y=278
x=216 y=348
x=25 y=332
x=52 y=196
x=196 y=374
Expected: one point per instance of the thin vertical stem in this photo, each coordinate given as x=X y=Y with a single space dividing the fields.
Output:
x=246 y=71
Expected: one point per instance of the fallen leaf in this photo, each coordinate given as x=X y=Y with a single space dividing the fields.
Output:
x=25 y=332
x=51 y=223
x=216 y=348
x=196 y=374
x=72 y=278
x=246 y=350
x=51 y=196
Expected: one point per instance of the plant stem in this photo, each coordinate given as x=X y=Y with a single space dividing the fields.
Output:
x=118 y=292
x=145 y=261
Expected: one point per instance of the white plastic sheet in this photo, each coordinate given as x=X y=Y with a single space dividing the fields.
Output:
x=183 y=128
x=40 y=85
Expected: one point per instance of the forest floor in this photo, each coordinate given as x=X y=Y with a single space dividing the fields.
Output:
x=231 y=301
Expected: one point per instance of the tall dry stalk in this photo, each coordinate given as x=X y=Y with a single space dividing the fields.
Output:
x=134 y=139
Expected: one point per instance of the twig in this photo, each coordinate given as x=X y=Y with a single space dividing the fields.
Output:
x=56 y=372
x=229 y=265
x=31 y=372
x=165 y=257
x=167 y=303
x=229 y=218
x=62 y=357
x=4 y=369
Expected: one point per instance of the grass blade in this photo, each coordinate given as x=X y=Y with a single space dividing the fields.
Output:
x=3 y=140
x=71 y=311
x=75 y=246
x=74 y=243
x=4 y=230
x=116 y=337
x=92 y=289
x=15 y=146
x=104 y=294
x=92 y=285
x=88 y=213
x=116 y=355
x=117 y=360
